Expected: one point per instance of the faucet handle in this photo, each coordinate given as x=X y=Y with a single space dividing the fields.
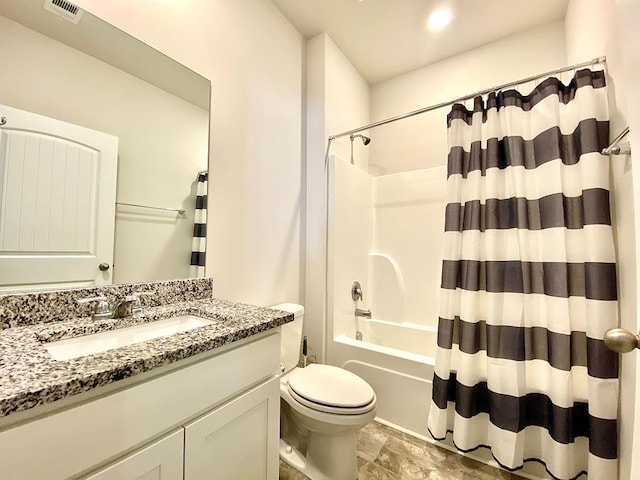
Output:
x=134 y=298
x=101 y=309
x=356 y=291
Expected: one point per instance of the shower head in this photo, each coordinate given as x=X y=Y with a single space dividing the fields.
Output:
x=365 y=140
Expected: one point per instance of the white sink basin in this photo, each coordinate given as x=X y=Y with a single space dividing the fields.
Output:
x=100 y=342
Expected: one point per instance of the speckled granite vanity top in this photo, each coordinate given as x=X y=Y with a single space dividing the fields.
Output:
x=29 y=376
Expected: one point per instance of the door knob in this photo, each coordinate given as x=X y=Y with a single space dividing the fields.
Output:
x=621 y=340
x=103 y=267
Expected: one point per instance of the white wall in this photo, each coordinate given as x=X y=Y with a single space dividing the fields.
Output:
x=347 y=103
x=591 y=31
x=420 y=141
x=253 y=57
x=626 y=25
x=337 y=99
x=157 y=162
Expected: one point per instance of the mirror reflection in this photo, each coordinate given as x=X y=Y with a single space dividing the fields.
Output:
x=84 y=73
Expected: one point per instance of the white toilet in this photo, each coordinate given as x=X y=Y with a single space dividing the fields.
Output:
x=321 y=409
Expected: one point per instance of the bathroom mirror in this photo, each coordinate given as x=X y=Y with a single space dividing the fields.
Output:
x=74 y=67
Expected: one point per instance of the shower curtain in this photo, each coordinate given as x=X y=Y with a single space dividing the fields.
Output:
x=529 y=281
x=199 y=243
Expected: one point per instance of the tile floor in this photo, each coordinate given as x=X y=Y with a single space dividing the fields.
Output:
x=387 y=454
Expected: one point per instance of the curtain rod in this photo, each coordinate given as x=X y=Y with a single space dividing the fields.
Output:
x=594 y=61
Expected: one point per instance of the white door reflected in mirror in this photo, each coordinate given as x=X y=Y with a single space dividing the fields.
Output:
x=57 y=202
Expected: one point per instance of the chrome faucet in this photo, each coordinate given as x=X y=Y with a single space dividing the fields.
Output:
x=127 y=307
x=363 y=313
x=356 y=294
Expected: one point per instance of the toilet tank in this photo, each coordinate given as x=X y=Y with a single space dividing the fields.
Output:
x=291 y=335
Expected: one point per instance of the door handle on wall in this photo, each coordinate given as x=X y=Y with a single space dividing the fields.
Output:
x=621 y=340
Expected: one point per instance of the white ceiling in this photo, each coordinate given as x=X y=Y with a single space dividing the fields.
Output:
x=386 y=38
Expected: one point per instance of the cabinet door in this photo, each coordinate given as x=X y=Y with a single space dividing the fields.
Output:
x=161 y=460
x=238 y=440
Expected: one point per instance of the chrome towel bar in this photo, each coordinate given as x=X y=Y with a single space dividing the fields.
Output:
x=180 y=211
x=615 y=149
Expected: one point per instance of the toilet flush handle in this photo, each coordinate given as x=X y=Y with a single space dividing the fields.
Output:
x=304 y=351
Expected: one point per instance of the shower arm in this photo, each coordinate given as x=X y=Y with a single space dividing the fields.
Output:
x=352 y=162
x=365 y=140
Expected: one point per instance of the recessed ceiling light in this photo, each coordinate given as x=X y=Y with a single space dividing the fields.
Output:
x=439 y=19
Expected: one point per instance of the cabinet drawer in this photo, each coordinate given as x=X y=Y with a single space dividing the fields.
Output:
x=162 y=460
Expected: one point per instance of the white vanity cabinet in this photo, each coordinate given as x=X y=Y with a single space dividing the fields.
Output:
x=233 y=441
x=216 y=416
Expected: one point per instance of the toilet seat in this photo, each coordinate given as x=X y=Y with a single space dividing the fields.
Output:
x=330 y=389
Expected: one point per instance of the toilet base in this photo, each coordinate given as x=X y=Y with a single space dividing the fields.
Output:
x=319 y=444
x=327 y=457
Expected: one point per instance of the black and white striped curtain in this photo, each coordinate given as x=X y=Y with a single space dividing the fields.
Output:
x=529 y=282
x=199 y=246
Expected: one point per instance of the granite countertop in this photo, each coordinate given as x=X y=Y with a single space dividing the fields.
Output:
x=29 y=376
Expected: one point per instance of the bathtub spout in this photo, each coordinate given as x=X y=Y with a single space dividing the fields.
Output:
x=363 y=313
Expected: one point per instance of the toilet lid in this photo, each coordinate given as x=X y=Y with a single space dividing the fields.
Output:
x=331 y=386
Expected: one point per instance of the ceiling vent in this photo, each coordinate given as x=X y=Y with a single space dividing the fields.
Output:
x=64 y=9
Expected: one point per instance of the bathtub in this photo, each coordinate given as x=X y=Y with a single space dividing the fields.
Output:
x=402 y=378
x=396 y=359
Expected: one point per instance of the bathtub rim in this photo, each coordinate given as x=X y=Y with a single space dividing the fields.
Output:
x=344 y=339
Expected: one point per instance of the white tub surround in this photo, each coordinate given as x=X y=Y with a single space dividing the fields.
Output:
x=374 y=238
